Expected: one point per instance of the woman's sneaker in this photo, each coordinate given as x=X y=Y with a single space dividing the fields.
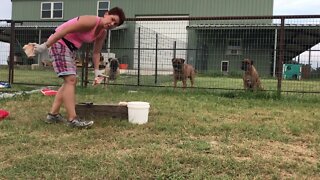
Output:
x=80 y=123
x=54 y=118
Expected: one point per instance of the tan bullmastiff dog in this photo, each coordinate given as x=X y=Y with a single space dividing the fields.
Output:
x=251 y=79
x=182 y=71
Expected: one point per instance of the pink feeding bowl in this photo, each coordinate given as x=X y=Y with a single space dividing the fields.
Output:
x=49 y=92
x=3 y=114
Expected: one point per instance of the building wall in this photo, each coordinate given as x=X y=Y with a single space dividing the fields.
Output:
x=196 y=7
x=134 y=8
x=200 y=8
x=211 y=45
x=30 y=9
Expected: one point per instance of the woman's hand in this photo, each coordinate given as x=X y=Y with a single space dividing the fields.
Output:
x=98 y=77
x=40 y=48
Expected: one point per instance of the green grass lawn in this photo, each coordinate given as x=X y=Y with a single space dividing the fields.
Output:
x=192 y=134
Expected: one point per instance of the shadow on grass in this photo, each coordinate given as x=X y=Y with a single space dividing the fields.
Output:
x=251 y=95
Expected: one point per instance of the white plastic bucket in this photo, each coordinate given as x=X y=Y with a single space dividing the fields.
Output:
x=138 y=112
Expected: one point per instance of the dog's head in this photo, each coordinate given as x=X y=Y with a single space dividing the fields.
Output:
x=246 y=64
x=177 y=64
x=113 y=63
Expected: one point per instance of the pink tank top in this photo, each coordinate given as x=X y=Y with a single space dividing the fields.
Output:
x=77 y=38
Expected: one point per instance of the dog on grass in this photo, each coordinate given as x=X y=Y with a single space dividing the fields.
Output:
x=112 y=69
x=251 y=79
x=110 y=72
x=182 y=71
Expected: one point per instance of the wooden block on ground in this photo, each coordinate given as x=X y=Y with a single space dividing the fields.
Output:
x=90 y=111
x=34 y=66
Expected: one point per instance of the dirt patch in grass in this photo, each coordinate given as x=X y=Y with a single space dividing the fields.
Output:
x=272 y=156
x=297 y=151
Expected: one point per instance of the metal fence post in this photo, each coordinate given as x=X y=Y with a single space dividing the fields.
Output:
x=156 y=68
x=139 y=48
x=281 y=55
x=174 y=49
x=85 y=64
x=12 y=50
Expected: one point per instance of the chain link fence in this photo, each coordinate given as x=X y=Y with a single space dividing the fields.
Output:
x=285 y=51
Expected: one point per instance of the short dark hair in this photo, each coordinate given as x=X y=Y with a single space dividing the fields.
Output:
x=118 y=12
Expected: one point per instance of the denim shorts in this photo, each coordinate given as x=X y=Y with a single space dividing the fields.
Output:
x=63 y=60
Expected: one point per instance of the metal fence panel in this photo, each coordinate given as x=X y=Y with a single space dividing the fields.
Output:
x=285 y=52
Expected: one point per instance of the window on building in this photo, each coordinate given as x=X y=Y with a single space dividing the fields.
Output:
x=103 y=6
x=234 y=47
x=224 y=66
x=51 y=10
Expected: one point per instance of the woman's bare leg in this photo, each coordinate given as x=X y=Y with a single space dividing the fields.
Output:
x=66 y=95
x=55 y=109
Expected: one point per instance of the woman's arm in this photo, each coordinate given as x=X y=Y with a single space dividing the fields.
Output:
x=97 y=46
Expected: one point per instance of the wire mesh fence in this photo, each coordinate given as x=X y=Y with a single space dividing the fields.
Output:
x=284 y=51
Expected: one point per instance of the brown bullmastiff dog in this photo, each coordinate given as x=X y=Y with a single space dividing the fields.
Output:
x=251 y=80
x=182 y=71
